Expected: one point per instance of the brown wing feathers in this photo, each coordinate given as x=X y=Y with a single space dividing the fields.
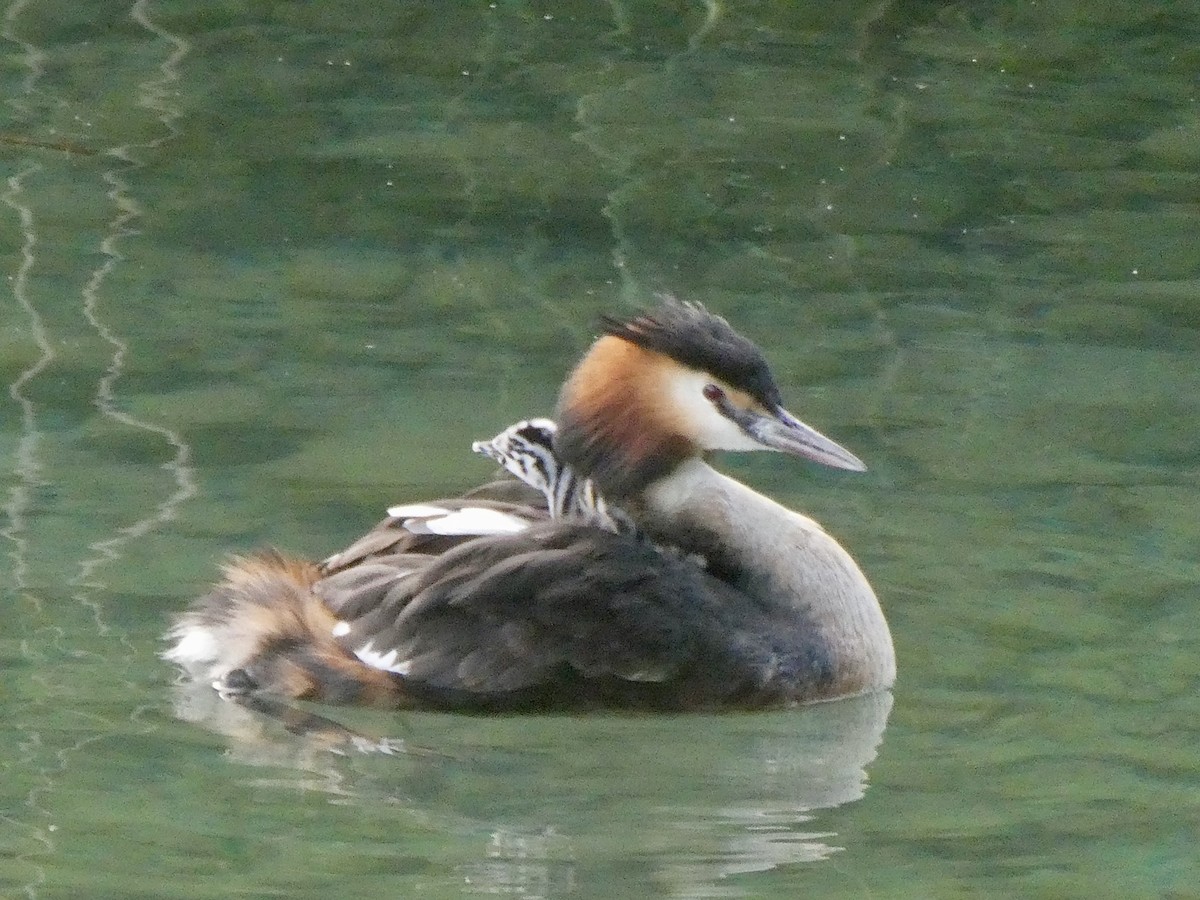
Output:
x=271 y=633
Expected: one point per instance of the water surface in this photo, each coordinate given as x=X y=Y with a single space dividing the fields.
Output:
x=271 y=267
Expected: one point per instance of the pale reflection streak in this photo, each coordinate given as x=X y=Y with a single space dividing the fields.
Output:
x=152 y=96
x=29 y=477
x=28 y=472
x=26 y=465
x=33 y=59
x=622 y=161
x=37 y=761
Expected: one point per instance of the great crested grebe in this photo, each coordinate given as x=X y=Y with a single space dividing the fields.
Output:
x=621 y=570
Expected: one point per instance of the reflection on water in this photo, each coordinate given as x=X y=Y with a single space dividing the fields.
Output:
x=24 y=195
x=701 y=799
x=271 y=268
x=46 y=630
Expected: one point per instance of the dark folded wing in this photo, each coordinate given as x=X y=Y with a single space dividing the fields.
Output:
x=554 y=613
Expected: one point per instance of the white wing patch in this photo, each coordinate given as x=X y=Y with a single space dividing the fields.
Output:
x=388 y=662
x=472 y=520
x=426 y=518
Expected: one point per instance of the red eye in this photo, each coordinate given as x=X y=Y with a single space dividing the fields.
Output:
x=713 y=394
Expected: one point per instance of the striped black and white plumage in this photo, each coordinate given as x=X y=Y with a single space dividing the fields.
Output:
x=553 y=591
x=526 y=450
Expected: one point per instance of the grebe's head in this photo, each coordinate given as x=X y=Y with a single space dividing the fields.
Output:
x=526 y=450
x=672 y=383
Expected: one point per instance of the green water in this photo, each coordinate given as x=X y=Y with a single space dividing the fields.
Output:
x=271 y=266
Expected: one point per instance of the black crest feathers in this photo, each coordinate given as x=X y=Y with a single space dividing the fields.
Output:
x=698 y=339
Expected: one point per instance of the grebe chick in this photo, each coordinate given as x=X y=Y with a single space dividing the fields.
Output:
x=526 y=451
x=558 y=607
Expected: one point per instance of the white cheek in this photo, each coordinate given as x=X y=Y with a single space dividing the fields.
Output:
x=710 y=429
